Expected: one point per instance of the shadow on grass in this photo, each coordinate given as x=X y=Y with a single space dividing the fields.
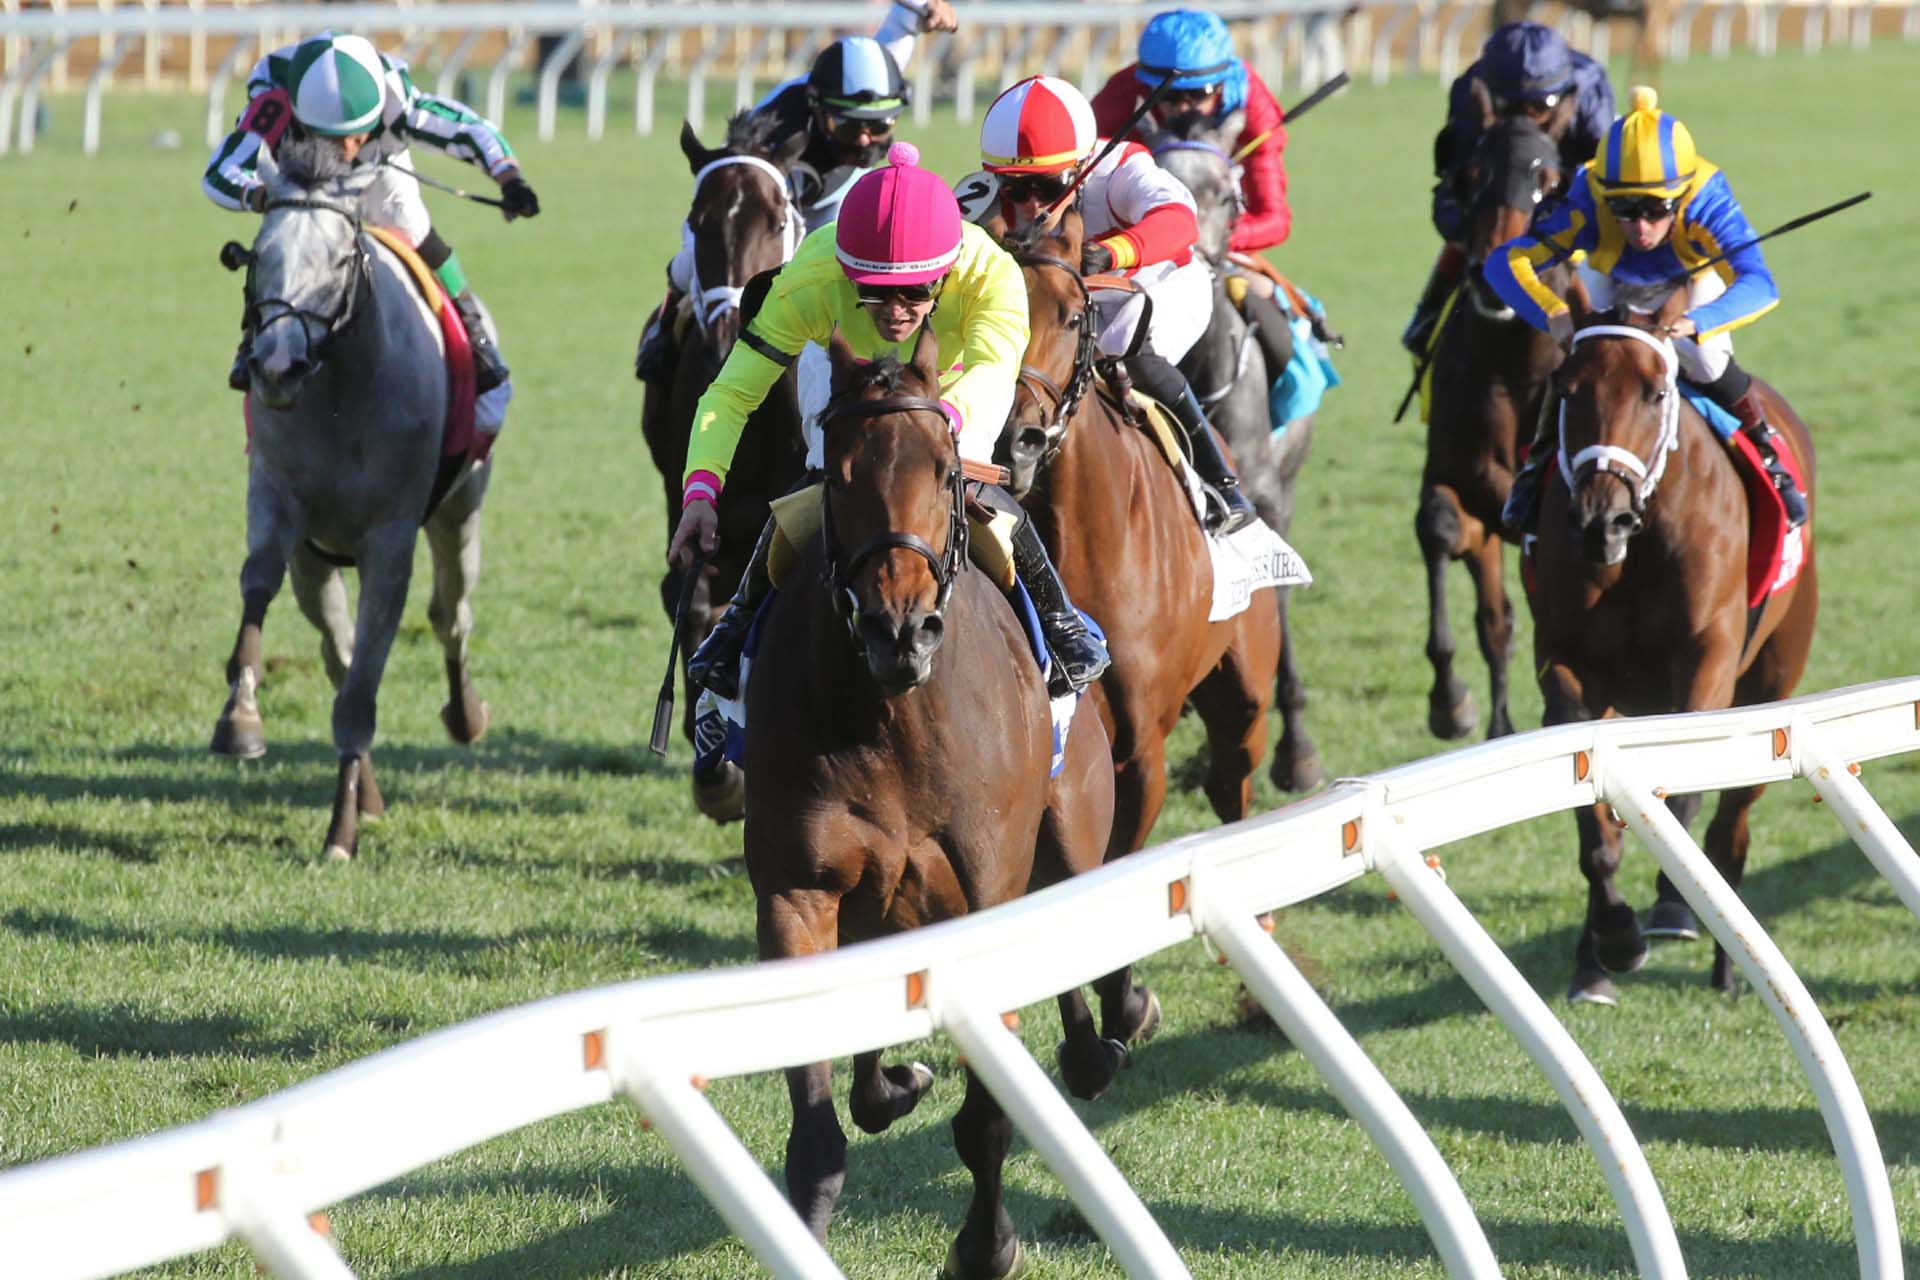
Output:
x=125 y=1030
x=72 y=839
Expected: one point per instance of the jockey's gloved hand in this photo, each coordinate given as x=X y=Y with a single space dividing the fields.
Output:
x=518 y=199
x=1095 y=258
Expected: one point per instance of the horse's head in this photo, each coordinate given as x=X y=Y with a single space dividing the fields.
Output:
x=893 y=495
x=309 y=267
x=1619 y=416
x=1198 y=151
x=1515 y=166
x=743 y=220
x=1058 y=366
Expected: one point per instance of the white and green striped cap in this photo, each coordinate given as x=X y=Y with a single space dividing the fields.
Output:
x=338 y=84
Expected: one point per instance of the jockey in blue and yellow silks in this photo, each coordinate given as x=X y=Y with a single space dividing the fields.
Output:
x=1649 y=209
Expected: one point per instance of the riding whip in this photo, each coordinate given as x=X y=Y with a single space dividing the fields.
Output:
x=447 y=187
x=663 y=705
x=1305 y=105
x=1792 y=225
x=1119 y=136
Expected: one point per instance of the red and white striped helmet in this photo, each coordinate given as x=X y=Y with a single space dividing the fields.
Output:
x=1040 y=125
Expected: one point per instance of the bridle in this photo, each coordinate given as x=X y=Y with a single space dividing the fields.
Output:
x=262 y=313
x=1063 y=399
x=1236 y=199
x=710 y=302
x=1640 y=477
x=840 y=571
x=1519 y=139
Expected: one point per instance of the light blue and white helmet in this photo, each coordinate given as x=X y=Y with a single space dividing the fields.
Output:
x=339 y=85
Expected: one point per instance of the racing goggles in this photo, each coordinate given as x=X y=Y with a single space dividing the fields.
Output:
x=843 y=125
x=1642 y=208
x=880 y=295
x=1529 y=102
x=1044 y=187
x=1188 y=97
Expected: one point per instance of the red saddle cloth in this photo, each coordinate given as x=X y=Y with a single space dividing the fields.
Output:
x=458 y=437
x=1775 y=553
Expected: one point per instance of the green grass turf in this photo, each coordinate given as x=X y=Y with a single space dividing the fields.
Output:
x=170 y=942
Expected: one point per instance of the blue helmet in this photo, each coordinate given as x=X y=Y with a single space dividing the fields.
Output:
x=1192 y=47
x=1526 y=62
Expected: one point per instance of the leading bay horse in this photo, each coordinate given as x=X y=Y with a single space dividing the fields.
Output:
x=349 y=400
x=897 y=772
x=1640 y=598
x=743 y=222
x=1125 y=539
x=1490 y=371
x=1228 y=369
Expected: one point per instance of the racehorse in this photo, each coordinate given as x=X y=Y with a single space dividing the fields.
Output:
x=1490 y=371
x=896 y=771
x=1641 y=593
x=1125 y=539
x=348 y=403
x=742 y=222
x=1229 y=372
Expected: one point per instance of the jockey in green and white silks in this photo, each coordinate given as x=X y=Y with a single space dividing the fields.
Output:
x=341 y=87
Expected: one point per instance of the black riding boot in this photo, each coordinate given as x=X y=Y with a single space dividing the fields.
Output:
x=489 y=370
x=715 y=664
x=1159 y=378
x=1426 y=313
x=1733 y=391
x=653 y=362
x=1078 y=657
x=1275 y=334
x=1522 y=510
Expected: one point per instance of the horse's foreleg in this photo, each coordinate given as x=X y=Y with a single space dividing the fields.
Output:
x=803 y=923
x=987 y=1247
x=1450 y=712
x=385 y=560
x=1232 y=702
x=453 y=535
x=1670 y=918
x=1296 y=761
x=1493 y=623
x=240 y=731
x=321 y=591
x=1727 y=840
x=1610 y=938
x=880 y=1095
x=1088 y=1062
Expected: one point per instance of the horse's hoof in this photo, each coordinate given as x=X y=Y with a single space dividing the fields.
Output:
x=1593 y=988
x=1452 y=722
x=1620 y=953
x=336 y=853
x=1306 y=774
x=723 y=797
x=463 y=727
x=1149 y=1023
x=243 y=739
x=1089 y=1085
x=1015 y=1266
x=1672 y=922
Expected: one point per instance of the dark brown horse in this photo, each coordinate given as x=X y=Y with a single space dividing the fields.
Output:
x=1125 y=539
x=743 y=223
x=1490 y=371
x=1641 y=592
x=897 y=772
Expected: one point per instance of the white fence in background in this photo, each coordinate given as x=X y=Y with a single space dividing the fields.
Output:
x=1294 y=44
x=259 y=1172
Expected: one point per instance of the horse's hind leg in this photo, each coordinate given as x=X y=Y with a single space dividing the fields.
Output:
x=1493 y=624
x=1670 y=918
x=240 y=731
x=1296 y=761
x=1727 y=839
x=987 y=1247
x=800 y=923
x=1450 y=712
x=1232 y=701
x=321 y=591
x=385 y=560
x=453 y=535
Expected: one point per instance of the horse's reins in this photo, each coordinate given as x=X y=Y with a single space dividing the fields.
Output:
x=710 y=303
x=1065 y=399
x=1640 y=477
x=946 y=568
x=343 y=316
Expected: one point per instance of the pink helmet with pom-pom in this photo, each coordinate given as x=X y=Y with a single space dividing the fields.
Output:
x=900 y=225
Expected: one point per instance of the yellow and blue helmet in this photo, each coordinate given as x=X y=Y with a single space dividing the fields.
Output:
x=1647 y=151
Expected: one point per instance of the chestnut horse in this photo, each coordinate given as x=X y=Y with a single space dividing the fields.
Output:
x=896 y=772
x=1640 y=595
x=1125 y=539
x=1490 y=371
x=743 y=223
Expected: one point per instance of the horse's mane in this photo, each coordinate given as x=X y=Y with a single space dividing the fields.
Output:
x=883 y=374
x=1641 y=299
x=750 y=134
x=308 y=161
x=1191 y=126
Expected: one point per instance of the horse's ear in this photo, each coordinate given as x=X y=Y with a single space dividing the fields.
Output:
x=692 y=149
x=926 y=356
x=790 y=150
x=1561 y=117
x=1228 y=131
x=1071 y=230
x=1484 y=100
x=1578 y=302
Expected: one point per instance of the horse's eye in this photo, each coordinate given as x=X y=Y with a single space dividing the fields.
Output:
x=1073 y=321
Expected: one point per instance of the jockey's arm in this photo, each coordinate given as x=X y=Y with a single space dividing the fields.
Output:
x=899 y=32
x=1154 y=210
x=1267 y=219
x=1513 y=268
x=993 y=302
x=230 y=181
x=447 y=126
x=1714 y=222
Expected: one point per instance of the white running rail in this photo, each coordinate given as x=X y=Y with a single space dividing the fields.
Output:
x=256 y=1173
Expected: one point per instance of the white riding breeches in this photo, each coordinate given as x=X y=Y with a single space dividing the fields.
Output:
x=393 y=200
x=1182 y=309
x=1700 y=361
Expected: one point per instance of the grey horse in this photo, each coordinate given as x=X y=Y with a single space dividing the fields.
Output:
x=1228 y=371
x=349 y=397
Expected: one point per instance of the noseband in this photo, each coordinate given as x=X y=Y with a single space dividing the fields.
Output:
x=1064 y=399
x=264 y=312
x=945 y=567
x=712 y=302
x=1640 y=477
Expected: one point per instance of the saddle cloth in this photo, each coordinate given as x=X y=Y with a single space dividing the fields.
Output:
x=720 y=724
x=1251 y=558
